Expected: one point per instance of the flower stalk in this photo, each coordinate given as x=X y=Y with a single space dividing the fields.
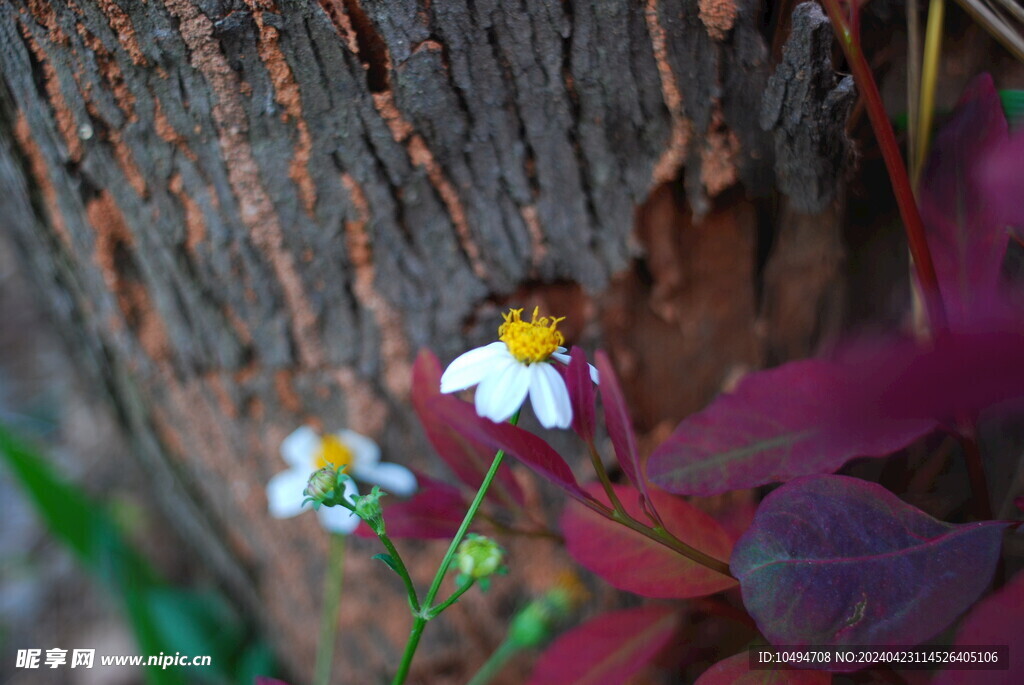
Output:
x=329 y=610
x=427 y=611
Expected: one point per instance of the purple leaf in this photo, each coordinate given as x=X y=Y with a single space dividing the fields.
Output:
x=831 y=560
x=263 y=680
x=801 y=418
x=607 y=649
x=970 y=190
x=620 y=428
x=581 y=393
x=996 y=620
x=633 y=562
x=469 y=459
x=433 y=513
x=961 y=373
x=736 y=671
x=527 y=447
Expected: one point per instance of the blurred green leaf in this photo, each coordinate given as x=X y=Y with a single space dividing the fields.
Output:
x=1013 y=105
x=163 y=618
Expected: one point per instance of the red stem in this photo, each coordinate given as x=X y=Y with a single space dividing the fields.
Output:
x=848 y=33
x=849 y=39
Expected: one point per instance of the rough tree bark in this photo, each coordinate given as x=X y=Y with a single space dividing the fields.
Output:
x=249 y=215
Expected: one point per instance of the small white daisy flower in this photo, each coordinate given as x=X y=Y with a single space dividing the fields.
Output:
x=306 y=451
x=519 y=363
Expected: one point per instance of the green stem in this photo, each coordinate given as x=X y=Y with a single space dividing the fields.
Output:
x=410 y=588
x=658 y=534
x=329 y=611
x=410 y=650
x=466 y=521
x=421 y=620
x=602 y=475
x=849 y=39
x=491 y=667
x=451 y=600
x=666 y=538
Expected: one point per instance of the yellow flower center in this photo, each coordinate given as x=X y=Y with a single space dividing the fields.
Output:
x=530 y=341
x=333 y=452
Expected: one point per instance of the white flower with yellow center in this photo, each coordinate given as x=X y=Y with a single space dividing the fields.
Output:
x=519 y=363
x=306 y=451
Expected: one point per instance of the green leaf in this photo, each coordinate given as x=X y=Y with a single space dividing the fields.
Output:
x=1013 y=105
x=387 y=559
x=163 y=618
x=89 y=532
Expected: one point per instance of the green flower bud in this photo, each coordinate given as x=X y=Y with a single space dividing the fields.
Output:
x=368 y=508
x=479 y=557
x=532 y=626
x=321 y=486
x=538 y=621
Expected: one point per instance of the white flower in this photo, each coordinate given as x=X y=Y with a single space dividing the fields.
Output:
x=305 y=451
x=519 y=363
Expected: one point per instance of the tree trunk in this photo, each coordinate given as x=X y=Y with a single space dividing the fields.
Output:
x=250 y=215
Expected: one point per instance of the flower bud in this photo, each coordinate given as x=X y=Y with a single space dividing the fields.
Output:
x=479 y=557
x=368 y=508
x=535 y=624
x=321 y=486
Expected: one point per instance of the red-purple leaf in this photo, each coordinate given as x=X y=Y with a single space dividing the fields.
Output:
x=961 y=373
x=996 y=620
x=434 y=512
x=607 y=649
x=457 y=424
x=736 y=671
x=263 y=680
x=964 y=212
x=469 y=459
x=620 y=428
x=527 y=447
x=633 y=562
x=801 y=418
x=581 y=394
x=832 y=560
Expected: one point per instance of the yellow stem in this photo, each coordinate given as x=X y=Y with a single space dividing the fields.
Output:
x=929 y=79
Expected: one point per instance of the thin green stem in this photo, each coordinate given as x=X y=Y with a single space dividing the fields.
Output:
x=422 y=617
x=434 y=612
x=410 y=650
x=602 y=475
x=493 y=664
x=658 y=534
x=666 y=538
x=329 y=610
x=403 y=572
x=466 y=521
x=849 y=39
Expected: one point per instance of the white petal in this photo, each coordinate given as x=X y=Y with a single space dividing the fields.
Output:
x=562 y=357
x=365 y=452
x=565 y=359
x=470 y=368
x=393 y=478
x=502 y=392
x=299 y=449
x=340 y=519
x=550 y=397
x=284 y=493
